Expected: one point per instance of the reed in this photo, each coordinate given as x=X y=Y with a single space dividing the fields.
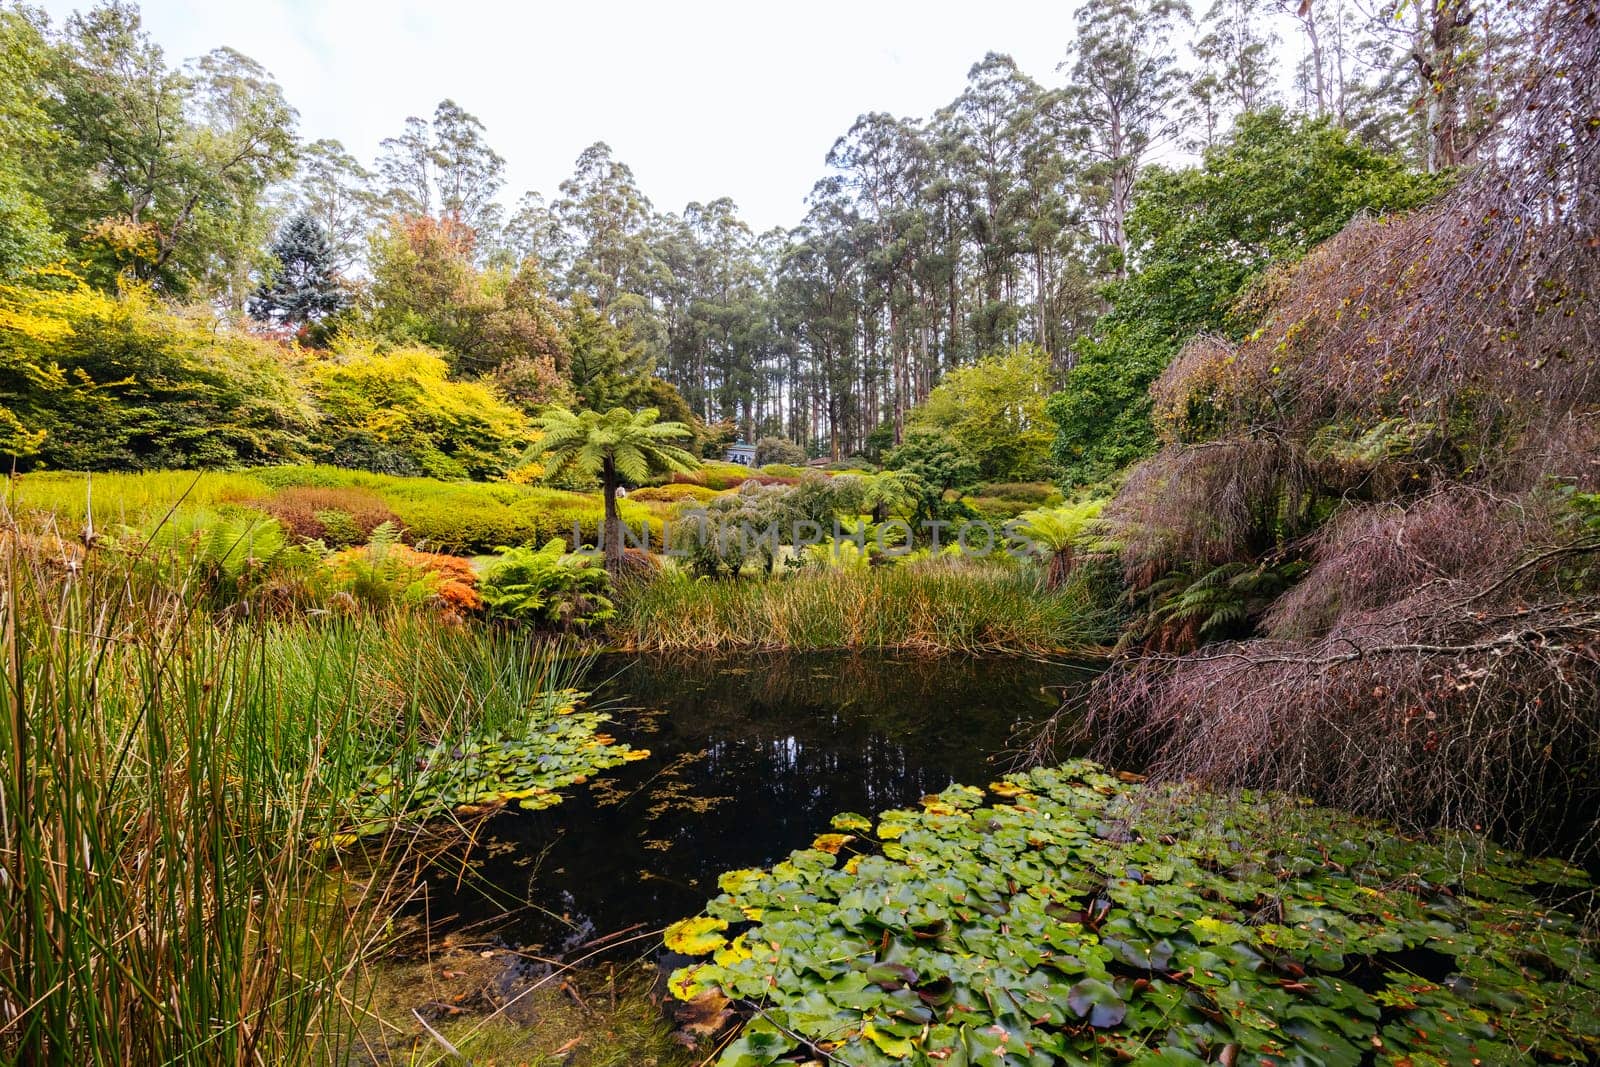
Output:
x=167 y=784
x=932 y=607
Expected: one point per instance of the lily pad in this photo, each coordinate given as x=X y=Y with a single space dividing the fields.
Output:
x=697 y=936
x=1070 y=915
x=1098 y=1003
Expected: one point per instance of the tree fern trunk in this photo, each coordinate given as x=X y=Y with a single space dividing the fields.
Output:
x=1060 y=568
x=611 y=536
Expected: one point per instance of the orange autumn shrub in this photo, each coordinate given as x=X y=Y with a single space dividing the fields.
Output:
x=457 y=581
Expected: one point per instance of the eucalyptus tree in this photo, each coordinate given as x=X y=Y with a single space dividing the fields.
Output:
x=444 y=168
x=607 y=217
x=1235 y=51
x=28 y=238
x=156 y=171
x=535 y=231
x=1449 y=66
x=818 y=298
x=726 y=309
x=1123 y=83
x=335 y=190
x=880 y=165
x=991 y=121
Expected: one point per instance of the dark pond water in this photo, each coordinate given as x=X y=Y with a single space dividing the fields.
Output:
x=751 y=756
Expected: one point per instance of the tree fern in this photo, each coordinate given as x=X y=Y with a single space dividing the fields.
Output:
x=616 y=446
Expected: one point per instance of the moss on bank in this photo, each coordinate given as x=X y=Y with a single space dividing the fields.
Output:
x=497 y=1008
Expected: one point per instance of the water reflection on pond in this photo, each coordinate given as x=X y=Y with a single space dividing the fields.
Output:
x=751 y=755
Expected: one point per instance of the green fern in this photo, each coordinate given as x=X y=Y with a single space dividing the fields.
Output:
x=548 y=587
x=1217 y=603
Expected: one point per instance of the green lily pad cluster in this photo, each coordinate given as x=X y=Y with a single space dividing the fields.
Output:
x=1070 y=915
x=555 y=746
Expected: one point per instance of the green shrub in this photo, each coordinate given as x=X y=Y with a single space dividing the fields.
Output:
x=674 y=493
x=338 y=518
x=1001 y=501
x=547 y=587
x=778 y=450
x=1039 y=494
x=716 y=475
x=783 y=470
x=471 y=518
x=225 y=558
x=994 y=412
x=130 y=499
x=463 y=518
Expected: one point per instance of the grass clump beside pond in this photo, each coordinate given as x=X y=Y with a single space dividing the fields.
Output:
x=166 y=780
x=928 y=607
x=1070 y=916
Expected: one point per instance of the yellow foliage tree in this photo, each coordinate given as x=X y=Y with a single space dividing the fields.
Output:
x=400 y=413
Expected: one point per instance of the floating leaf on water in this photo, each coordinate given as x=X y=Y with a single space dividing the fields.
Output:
x=1097 y=1002
x=893 y=824
x=697 y=936
x=556 y=747
x=888 y=1044
x=736 y=882
x=1097 y=920
x=831 y=843
x=851 y=823
x=685 y=982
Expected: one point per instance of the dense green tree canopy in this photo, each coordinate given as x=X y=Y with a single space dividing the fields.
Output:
x=27 y=237
x=995 y=411
x=928 y=244
x=159 y=172
x=428 y=290
x=400 y=413
x=1201 y=236
x=95 y=381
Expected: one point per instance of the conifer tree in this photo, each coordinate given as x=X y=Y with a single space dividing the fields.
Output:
x=303 y=288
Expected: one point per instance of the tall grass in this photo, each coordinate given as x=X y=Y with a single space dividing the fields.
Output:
x=931 y=607
x=166 y=784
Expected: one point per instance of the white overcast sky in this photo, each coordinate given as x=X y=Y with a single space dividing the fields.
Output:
x=701 y=99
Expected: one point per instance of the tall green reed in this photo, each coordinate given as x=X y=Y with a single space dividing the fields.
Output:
x=167 y=782
x=929 y=607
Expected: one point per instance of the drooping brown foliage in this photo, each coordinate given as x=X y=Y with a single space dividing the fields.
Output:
x=1437 y=663
x=1408 y=426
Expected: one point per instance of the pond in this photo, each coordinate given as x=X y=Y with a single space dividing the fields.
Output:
x=750 y=757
